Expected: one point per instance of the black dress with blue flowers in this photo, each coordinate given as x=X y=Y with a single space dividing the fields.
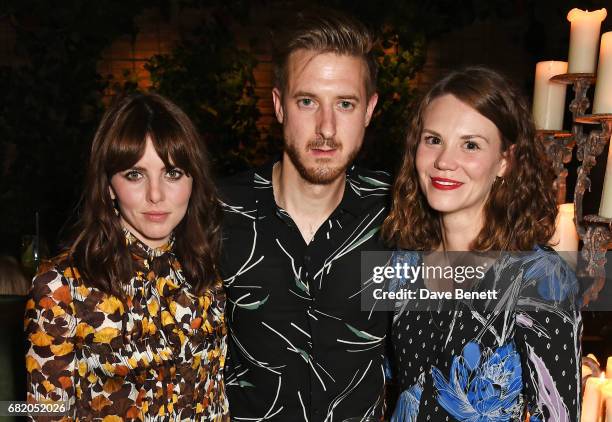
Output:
x=494 y=360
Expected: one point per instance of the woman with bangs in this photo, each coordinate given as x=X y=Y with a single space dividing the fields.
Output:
x=127 y=323
x=474 y=179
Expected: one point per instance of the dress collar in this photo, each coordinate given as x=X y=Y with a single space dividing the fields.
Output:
x=137 y=247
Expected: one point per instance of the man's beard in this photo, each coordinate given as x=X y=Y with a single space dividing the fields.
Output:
x=321 y=174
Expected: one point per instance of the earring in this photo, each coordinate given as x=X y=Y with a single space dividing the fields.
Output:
x=116 y=207
x=501 y=180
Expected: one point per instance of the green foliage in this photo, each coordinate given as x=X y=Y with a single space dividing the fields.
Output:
x=212 y=80
x=398 y=65
x=51 y=106
x=53 y=93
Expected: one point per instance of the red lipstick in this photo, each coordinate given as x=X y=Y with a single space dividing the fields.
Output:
x=445 y=184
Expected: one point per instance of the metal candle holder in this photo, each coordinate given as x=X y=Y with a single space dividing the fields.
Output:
x=559 y=146
x=580 y=84
x=593 y=230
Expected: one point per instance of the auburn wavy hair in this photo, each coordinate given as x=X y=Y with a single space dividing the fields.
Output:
x=98 y=249
x=520 y=210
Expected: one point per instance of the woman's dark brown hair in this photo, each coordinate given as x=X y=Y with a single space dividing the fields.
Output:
x=99 y=250
x=520 y=210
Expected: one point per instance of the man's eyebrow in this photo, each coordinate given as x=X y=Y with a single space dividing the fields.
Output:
x=339 y=97
x=348 y=97
x=304 y=94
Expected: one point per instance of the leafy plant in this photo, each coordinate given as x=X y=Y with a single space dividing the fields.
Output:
x=53 y=93
x=51 y=106
x=212 y=80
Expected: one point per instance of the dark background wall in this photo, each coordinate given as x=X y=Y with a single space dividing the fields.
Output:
x=62 y=63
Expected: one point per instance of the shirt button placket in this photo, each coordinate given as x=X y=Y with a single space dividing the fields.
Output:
x=315 y=410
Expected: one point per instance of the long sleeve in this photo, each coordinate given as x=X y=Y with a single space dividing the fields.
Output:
x=548 y=334
x=50 y=329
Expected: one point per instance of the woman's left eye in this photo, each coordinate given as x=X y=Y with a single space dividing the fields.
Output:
x=432 y=140
x=132 y=175
x=471 y=145
x=175 y=174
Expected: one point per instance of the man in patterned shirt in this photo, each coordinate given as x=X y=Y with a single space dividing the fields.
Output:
x=301 y=348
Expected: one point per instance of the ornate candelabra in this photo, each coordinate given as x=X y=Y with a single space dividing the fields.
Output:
x=559 y=146
x=594 y=231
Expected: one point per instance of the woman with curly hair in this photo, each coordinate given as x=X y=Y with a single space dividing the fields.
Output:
x=474 y=179
x=127 y=324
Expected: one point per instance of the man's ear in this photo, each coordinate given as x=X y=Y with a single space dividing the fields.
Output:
x=370 y=108
x=277 y=99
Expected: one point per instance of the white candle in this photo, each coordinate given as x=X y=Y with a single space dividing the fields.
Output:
x=609 y=368
x=549 y=97
x=606 y=398
x=584 y=38
x=603 y=88
x=591 y=400
x=605 y=203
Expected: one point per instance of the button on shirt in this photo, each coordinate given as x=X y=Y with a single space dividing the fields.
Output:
x=300 y=347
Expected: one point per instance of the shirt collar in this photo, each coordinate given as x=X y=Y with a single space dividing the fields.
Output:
x=264 y=193
x=138 y=248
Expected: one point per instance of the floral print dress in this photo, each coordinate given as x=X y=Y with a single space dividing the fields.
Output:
x=158 y=356
x=496 y=360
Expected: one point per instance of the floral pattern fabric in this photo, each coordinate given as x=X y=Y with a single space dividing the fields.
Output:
x=494 y=361
x=158 y=356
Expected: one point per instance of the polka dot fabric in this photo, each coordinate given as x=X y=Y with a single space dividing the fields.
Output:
x=493 y=360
